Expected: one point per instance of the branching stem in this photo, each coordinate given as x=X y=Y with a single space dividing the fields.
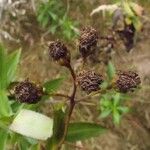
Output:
x=71 y=106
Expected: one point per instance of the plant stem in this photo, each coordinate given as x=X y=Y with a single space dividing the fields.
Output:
x=72 y=97
x=71 y=106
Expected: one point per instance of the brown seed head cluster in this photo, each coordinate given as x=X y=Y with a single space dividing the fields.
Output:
x=28 y=92
x=127 y=81
x=89 y=81
x=59 y=52
x=88 y=41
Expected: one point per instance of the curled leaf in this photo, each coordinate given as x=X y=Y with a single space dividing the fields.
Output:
x=103 y=8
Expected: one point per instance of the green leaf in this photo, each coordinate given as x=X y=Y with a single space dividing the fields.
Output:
x=52 y=85
x=3 y=72
x=12 y=62
x=5 y=109
x=31 y=140
x=54 y=16
x=3 y=139
x=8 y=66
x=137 y=23
x=53 y=28
x=105 y=113
x=116 y=117
x=58 y=129
x=45 y=21
x=123 y=109
x=110 y=71
x=82 y=131
x=104 y=85
x=127 y=9
x=35 y=147
x=23 y=144
x=116 y=98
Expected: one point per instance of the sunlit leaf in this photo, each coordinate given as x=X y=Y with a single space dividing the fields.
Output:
x=82 y=131
x=127 y=9
x=32 y=124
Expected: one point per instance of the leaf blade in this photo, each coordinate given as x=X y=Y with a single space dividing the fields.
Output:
x=5 y=109
x=3 y=73
x=53 y=85
x=12 y=62
x=82 y=130
x=3 y=139
x=111 y=71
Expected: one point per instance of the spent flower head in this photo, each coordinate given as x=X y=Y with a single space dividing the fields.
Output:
x=28 y=92
x=127 y=81
x=89 y=81
x=59 y=52
x=88 y=41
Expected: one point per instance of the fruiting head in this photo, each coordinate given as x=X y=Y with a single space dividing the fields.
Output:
x=89 y=81
x=28 y=92
x=59 y=53
x=127 y=81
x=88 y=41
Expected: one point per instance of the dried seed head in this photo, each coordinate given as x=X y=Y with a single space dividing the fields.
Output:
x=88 y=41
x=28 y=92
x=59 y=52
x=89 y=81
x=127 y=81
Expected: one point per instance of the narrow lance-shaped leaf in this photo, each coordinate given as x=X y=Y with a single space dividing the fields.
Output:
x=5 y=109
x=35 y=147
x=116 y=117
x=82 y=131
x=3 y=72
x=111 y=71
x=105 y=113
x=117 y=99
x=127 y=9
x=23 y=144
x=12 y=62
x=53 y=85
x=3 y=139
